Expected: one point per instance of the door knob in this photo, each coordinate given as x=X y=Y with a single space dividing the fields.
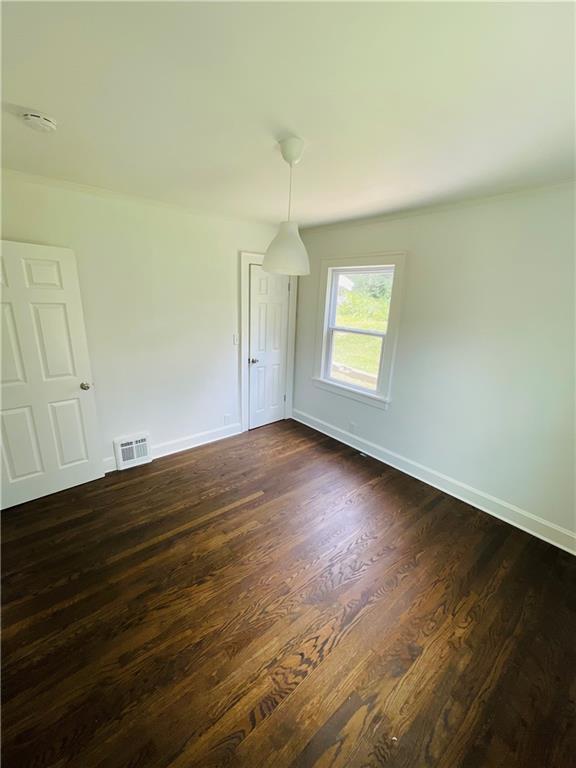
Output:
x=84 y=385
x=254 y=360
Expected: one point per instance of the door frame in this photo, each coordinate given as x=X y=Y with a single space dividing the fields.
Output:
x=246 y=259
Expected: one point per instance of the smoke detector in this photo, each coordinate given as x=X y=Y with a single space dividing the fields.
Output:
x=39 y=122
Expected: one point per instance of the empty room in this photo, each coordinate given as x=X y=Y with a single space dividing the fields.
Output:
x=288 y=385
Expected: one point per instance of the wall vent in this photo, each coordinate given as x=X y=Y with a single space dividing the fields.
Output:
x=132 y=450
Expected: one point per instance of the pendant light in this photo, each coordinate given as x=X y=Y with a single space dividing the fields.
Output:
x=286 y=254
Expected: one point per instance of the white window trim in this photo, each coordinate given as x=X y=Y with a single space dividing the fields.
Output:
x=381 y=398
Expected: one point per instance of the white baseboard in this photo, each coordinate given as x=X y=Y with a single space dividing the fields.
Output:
x=182 y=443
x=191 y=441
x=109 y=464
x=526 y=521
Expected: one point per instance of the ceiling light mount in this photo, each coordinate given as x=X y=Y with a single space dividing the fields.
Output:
x=39 y=122
x=292 y=149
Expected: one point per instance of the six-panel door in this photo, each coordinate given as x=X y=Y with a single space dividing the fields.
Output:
x=269 y=300
x=50 y=435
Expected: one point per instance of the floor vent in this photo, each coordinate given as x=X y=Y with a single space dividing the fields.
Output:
x=132 y=451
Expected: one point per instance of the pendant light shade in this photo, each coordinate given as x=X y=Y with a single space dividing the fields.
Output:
x=286 y=254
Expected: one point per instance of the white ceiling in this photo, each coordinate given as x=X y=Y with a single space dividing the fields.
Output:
x=401 y=104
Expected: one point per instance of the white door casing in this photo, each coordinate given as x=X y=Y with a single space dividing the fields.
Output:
x=50 y=438
x=269 y=305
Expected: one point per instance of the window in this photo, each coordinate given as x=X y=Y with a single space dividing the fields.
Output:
x=357 y=346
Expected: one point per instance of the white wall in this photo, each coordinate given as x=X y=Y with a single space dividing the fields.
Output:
x=161 y=300
x=483 y=388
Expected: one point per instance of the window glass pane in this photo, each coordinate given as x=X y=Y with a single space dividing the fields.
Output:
x=363 y=299
x=356 y=359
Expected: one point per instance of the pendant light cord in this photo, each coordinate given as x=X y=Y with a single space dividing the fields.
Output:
x=290 y=194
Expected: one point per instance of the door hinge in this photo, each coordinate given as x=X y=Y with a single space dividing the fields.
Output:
x=284 y=398
x=289 y=286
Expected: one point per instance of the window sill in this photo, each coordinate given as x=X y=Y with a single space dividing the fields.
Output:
x=376 y=401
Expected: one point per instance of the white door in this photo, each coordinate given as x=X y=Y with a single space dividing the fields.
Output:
x=269 y=301
x=50 y=435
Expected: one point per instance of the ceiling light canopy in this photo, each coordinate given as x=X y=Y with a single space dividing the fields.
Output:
x=286 y=254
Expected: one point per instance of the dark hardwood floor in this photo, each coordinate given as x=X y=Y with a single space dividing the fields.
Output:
x=277 y=599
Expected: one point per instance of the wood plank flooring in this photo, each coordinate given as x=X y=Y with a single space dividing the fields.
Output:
x=277 y=599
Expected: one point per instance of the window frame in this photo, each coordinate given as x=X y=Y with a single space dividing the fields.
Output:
x=329 y=270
